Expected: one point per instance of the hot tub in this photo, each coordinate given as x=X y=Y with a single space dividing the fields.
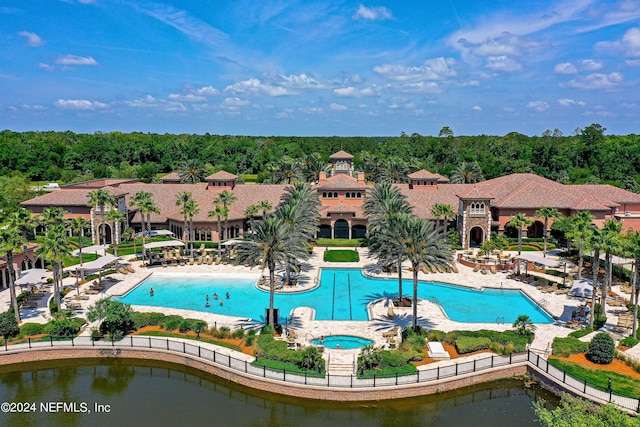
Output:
x=343 y=342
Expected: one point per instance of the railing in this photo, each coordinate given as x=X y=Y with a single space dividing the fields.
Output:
x=351 y=381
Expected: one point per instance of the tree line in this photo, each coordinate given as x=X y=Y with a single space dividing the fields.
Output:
x=587 y=156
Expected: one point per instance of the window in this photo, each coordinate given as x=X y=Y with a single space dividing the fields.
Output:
x=335 y=195
x=477 y=208
x=324 y=195
x=359 y=195
x=348 y=194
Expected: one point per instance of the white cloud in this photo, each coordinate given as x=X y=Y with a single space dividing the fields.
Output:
x=287 y=113
x=337 y=107
x=595 y=81
x=186 y=98
x=503 y=63
x=539 y=106
x=33 y=107
x=146 y=102
x=301 y=81
x=46 y=67
x=257 y=87
x=75 y=60
x=590 y=65
x=235 y=102
x=633 y=62
x=565 y=68
x=476 y=108
x=432 y=69
x=566 y=102
x=352 y=92
x=375 y=13
x=79 y=104
x=32 y=38
x=419 y=87
x=208 y=91
x=629 y=45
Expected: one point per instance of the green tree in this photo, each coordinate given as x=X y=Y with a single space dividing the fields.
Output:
x=9 y=325
x=191 y=171
x=191 y=209
x=219 y=212
x=443 y=212
x=116 y=318
x=145 y=204
x=181 y=200
x=518 y=221
x=115 y=218
x=52 y=216
x=25 y=223
x=226 y=198
x=266 y=206
x=100 y=199
x=251 y=211
x=580 y=228
x=546 y=212
x=595 y=244
x=421 y=244
x=612 y=244
x=55 y=247
x=575 y=412
x=10 y=242
x=467 y=173
x=632 y=243
x=78 y=225
x=524 y=325
x=273 y=243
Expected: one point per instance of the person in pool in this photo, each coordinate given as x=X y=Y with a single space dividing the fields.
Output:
x=215 y=295
x=228 y=295
x=151 y=292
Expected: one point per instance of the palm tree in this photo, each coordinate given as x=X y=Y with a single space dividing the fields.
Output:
x=143 y=200
x=443 y=212
x=251 y=211
x=226 y=198
x=10 y=242
x=611 y=244
x=632 y=239
x=580 y=233
x=191 y=172
x=395 y=171
x=55 y=247
x=191 y=209
x=300 y=208
x=78 y=225
x=219 y=212
x=467 y=173
x=25 y=222
x=52 y=216
x=100 y=199
x=380 y=205
x=266 y=206
x=595 y=245
x=312 y=165
x=273 y=243
x=272 y=168
x=181 y=200
x=289 y=169
x=546 y=212
x=518 y=221
x=524 y=325
x=421 y=243
x=115 y=217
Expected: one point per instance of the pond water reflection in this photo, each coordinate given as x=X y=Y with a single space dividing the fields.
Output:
x=157 y=394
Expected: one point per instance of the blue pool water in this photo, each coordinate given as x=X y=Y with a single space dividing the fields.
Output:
x=346 y=342
x=343 y=294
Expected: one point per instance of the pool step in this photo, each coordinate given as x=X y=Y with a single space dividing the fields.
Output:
x=341 y=369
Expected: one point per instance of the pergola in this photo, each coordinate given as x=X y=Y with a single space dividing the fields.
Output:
x=166 y=243
x=96 y=265
x=31 y=277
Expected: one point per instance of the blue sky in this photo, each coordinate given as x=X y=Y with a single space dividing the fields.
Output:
x=320 y=67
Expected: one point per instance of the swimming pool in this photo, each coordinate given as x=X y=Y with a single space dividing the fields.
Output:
x=344 y=342
x=343 y=294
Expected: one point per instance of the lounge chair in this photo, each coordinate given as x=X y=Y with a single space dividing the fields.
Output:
x=424 y=269
x=390 y=313
x=292 y=334
x=454 y=268
x=200 y=260
x=392 y=333
x=209 y=259
x=493 y=269
x=476 y=268
x=182 y=262
x=218 y=260
x=191 y=261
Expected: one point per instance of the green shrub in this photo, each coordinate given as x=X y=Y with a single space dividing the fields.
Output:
x=496 y=347
x=184 y=325
x=8 y=324
x=30 y=329
x=436 y=335
x=601 y=349
x=140 y=320
x=581 y=332
x=629 y=341
x=171 y=322
x=312 y=360
x=369 y=358
x=466 y=344
x=63 y=328
x=565 y=347
x=392 y=358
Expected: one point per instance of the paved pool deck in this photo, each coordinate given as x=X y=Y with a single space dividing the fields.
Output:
x=302 y=319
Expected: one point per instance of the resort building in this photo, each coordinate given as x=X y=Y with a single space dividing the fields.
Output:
x=481 y=208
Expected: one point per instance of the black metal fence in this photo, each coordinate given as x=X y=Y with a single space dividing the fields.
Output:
x=219 y=357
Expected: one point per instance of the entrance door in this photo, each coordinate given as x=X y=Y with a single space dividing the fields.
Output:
x=341 y=229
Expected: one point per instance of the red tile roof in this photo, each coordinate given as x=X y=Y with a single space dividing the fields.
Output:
x=474 y=193
x=425 y=174
x=173 y=177
x=607 y=192
x=341 y=155
x=221 y=176
x=342 y=182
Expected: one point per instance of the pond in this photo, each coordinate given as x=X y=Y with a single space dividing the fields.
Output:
x=157 y=394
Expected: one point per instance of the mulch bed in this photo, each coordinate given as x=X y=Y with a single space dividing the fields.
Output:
x=452 y=352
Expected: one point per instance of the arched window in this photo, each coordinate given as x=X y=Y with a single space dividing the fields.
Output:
x=477 y=208
x=348 y=194
x=335 y=195
x=359 y=195
x=324 y=195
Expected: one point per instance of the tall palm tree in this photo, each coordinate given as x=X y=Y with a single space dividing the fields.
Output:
x=300 y=208
x=226 y=198
x=594 y=243
x=100 y=198
x=55 y=247
x=580 y=232
x=218 y=212
x=467 y=173
x=518 y=221
x=380 y=205
x=10 y=242
x=181 y=200
x=145 y=204
x=115 y=217
x=612 y=244
x=312 y=165
x=266 y=206
x=191 y=172
x=395 y=171
x=78 y=225
x=52 y=216
x=546 y=212
x=443 y=212
x=632 y=239
x=421 y=243
x=251 y=211
x=289 y=170
x=25 y=222
x=191 y=209
x=273 y=243
x=273 y=169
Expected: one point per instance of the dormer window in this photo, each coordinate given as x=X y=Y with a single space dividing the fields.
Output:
x=477 y=208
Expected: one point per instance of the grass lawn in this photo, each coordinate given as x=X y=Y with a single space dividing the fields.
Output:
x=187 y=337
x=341 y=256
x=73 y=260
x=339 y=242
x=621 y=384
